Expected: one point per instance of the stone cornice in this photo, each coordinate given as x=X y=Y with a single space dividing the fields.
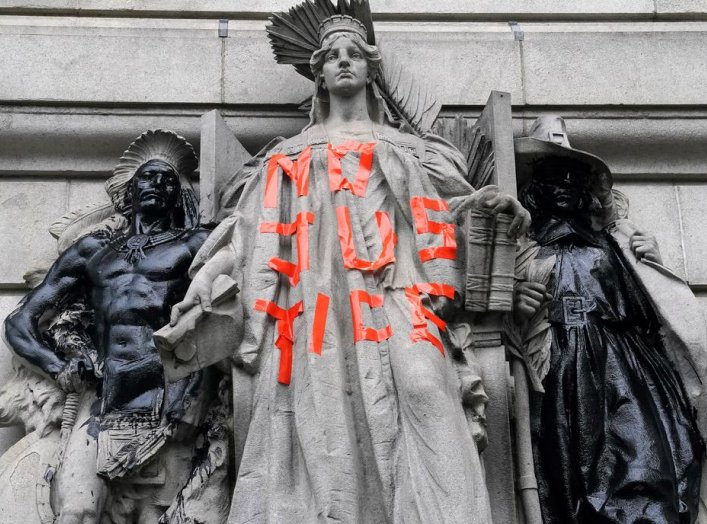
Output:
x=425 y=10
x=664 y=144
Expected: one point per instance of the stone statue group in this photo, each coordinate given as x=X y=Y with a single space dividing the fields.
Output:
x=311 y=357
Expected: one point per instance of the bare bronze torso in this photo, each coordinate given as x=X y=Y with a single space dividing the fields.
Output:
x=130 y=301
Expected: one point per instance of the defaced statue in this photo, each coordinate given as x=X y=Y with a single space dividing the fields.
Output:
x=130 y=451
x=343 y=244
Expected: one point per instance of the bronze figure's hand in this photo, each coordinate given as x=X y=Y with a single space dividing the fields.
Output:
x=645 y=247
x=527 y=299
x=72 y=377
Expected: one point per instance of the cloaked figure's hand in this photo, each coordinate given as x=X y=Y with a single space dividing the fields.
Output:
x=199 y=293
x=645 y=247
x=489 y=199
x=528 y=297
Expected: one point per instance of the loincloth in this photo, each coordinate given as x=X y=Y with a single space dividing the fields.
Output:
x=129 y=445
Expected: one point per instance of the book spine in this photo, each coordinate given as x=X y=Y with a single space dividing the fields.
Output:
x=479 y=258
x=502 y=266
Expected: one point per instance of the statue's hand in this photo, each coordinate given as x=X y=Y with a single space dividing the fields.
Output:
x=527 y=299
x=490 y=200
x=199 y=293
x=645 y=247
x=72 y=377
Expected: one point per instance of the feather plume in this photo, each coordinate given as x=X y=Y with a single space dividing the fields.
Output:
x=82 y=218
x=408 y=99
x=531 y=340
x=524 y=257
x=474 y=145
x=85 y=214
x=621 y=203
x=294 y=37
x=361 y=10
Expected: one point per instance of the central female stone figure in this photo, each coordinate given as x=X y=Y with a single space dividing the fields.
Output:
x=343 y=242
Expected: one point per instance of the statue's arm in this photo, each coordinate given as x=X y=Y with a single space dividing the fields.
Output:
x=205 y=327
x=22 y=326
x=447 y=169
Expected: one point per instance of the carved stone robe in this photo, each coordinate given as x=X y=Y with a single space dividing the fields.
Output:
x=342 y=249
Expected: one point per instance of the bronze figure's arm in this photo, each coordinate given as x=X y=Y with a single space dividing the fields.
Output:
x=22 y=329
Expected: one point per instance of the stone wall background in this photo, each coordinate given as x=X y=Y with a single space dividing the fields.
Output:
x=79 y=79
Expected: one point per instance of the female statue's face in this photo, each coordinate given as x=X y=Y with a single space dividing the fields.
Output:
x=345 y=69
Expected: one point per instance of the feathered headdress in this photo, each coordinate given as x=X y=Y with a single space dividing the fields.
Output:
x=295 y=36
x=159 y=144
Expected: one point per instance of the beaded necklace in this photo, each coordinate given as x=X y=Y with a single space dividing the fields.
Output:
x=134 y=246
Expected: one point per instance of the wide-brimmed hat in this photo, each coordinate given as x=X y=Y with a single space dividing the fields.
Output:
x=548 y=139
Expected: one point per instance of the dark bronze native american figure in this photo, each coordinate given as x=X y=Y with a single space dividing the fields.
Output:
x=130 y=452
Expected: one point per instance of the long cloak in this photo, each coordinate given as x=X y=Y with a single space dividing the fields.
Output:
x=617 y=439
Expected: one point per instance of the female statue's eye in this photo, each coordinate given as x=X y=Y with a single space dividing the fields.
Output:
x=331 y=57
x=356 y=55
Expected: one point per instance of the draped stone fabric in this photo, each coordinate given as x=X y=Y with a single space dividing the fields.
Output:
x=343 y=248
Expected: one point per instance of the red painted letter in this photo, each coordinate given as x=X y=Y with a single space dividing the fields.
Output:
x=420 y=314
x=285 y=337
x=337 y=182
x=319 y=328
x=362 y=332
x=297 y=170
x=299 y=228
x=448 y=249
x=348 y=249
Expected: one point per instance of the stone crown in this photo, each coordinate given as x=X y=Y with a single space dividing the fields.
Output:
x=341 y=24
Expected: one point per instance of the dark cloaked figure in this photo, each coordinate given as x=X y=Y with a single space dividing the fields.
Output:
x=616 y=439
